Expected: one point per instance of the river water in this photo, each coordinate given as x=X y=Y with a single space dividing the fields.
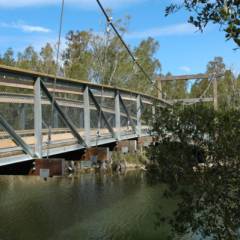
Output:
x=90 y=206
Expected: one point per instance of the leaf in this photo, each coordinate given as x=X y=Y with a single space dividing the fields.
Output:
x=237 y=40
x=236 y=22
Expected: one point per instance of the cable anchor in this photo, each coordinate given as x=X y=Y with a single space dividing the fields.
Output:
x=134 y=62
x=108 y=24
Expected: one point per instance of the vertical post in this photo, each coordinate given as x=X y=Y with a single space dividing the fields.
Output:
x=86 y=116
x=139 y=113
x=215 y=100
x=159 y=84
x=38 y=118
x=117 y=115
x=22 y=116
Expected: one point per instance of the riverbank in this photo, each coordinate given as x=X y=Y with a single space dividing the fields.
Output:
x=118 y=162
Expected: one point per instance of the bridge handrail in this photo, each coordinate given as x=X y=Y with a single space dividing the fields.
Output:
x=32 y=75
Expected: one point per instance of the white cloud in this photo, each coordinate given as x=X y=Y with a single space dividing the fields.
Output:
x=36 y=40
x=186 y=69
x=176 y=29
x=24 y=27
x=86 y=4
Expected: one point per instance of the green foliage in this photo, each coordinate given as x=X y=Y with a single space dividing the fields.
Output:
x=174 y=89
x=99 y=58
x=28 y=60
x=77 y=55
x=198 y=157
x=222 y=12
x=102 y=58
x=228 y=86
x=48 y=64
x=8 y=58
x=131 y=157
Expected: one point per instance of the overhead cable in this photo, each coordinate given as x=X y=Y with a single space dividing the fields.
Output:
x=127 y=48
x=54 y=84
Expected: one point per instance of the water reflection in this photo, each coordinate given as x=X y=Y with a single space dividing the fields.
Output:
x=91 y=206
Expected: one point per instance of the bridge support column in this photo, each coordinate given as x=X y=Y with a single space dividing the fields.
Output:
x=145 y=141
x=95 y=154
x=55 y=167
x=127 y=146
x=38 y=118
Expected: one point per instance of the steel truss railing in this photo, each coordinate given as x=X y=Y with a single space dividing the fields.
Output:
x=83 y=135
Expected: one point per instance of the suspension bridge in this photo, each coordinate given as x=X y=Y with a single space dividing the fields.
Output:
x=43 y=116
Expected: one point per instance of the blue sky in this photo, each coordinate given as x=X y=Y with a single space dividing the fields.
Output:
x=182 y=51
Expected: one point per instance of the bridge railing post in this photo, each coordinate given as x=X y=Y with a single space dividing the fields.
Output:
x=128 y=115
x=86 y=116
x=62 y=114
x=103 y=116
x=117 y=115
x=139 y=113
x=38 y=118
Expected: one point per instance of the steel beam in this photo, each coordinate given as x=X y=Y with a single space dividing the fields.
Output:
x=192 y=100
x=17 y=138
x=187 y=77
x=86 y=116
x=124 y=121
x=128 y=115
x=64 y=117
x=139 y=113
x=38 y=118
x=117 y=115
x=109 y=127
x=109 y=119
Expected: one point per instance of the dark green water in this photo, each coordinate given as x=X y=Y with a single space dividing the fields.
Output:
x=88 y=206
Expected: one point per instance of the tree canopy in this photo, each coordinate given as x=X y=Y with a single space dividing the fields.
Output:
x=198 y=158
x=226 y=13
x=95 y=57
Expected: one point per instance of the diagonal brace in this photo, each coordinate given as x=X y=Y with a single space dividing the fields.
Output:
x=128 y=115
x=17 y=138
x=64 y=117
x=109 y=127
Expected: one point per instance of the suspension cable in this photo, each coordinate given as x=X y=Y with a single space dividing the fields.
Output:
x=127 y=48
x=100 y=113
x=54 y=84
x=203 y=92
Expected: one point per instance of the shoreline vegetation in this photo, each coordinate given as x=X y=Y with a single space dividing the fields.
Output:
x=118 y=162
